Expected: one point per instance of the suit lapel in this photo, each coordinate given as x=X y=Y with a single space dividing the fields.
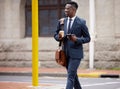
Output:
x=73 y=26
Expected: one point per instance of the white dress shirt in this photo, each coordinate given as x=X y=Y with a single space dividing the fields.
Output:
x=72 y=21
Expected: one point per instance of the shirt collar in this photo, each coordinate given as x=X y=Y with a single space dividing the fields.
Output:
x=73 y=18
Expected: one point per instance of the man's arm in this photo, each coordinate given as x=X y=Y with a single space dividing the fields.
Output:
x=85 y=35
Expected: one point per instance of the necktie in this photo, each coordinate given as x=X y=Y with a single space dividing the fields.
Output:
x=69 y=25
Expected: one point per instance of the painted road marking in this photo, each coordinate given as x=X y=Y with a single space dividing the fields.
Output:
x=99 y=84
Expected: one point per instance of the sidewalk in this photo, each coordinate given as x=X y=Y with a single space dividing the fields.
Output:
x=52 y=72
x=57 y=72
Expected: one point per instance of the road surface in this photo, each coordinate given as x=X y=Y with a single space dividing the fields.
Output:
x=87 y=83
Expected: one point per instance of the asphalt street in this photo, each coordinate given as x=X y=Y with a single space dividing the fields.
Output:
x=87 y=83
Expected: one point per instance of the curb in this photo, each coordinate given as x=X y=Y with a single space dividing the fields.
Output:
x=110 y=76
x=30 y=74
x=84 y=75
x=95 y=75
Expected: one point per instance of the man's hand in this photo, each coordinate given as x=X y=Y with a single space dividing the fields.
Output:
x=72 y=37
x=61 y=35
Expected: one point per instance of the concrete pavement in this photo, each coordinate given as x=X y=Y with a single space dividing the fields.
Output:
x=59 y=72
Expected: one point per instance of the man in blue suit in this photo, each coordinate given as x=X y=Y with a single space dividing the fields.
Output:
x=75 y=35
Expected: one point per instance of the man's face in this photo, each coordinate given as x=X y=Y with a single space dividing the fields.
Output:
x=69 y=10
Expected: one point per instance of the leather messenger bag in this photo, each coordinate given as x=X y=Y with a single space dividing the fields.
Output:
x=60 y=56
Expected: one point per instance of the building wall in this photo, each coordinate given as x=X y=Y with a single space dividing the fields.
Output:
x=15 y=48
x=12 y=19
x=107 y=44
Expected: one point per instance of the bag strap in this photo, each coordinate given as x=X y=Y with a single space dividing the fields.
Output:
x=61 y=27
x=60 y=43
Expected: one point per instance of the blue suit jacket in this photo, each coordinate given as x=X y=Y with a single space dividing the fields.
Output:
x=79 y=28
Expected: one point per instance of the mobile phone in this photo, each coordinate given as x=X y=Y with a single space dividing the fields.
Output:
x=69 y=34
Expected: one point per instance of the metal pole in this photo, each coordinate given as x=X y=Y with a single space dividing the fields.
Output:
x=92 y=27
x=35 y=42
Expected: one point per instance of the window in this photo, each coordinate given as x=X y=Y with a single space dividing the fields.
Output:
x=49 y=12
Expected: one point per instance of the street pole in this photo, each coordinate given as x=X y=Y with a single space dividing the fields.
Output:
x=35 y=42
x=92 y=27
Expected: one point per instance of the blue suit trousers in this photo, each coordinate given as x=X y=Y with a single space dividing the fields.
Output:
x=72 y=78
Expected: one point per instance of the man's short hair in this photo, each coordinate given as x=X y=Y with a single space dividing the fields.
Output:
x=74 y=4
